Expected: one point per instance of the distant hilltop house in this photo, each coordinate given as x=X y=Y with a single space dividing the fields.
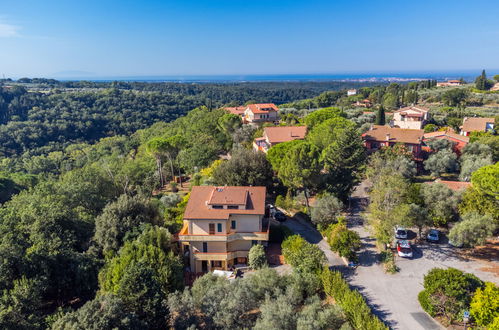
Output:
x=239 y=111
x=262 y=112
x=278 y=134
x=351 y=92
x=366 y=103
x=256 y=113
x=450 y=83
x=384 y=136
x=459 y=141
x=221 y=224
x=412 y=117
x=476 y=124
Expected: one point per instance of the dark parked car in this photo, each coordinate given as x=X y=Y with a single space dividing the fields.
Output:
x=433 y=236
x=279 y=216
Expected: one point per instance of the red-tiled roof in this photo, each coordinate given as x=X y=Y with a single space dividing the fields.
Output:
x=447 y=134
x=202 y=197
x=395 y=135
x=279 y=134
x=474 y=124
x=236 y=110
x=417 y=108
x=263 y=107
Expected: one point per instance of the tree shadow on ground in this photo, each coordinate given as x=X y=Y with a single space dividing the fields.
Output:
x=382 y=314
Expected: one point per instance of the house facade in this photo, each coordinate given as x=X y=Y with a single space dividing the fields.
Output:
x=220 y=226
x=278 y=134
x=475 y=124
x=384 y=136
x=351 y=92
x=261 y=113
x=450 y=83
x=413 y=117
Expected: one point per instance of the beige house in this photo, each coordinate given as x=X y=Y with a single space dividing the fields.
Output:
x=413 y=117
x=260 y=113
x=221 y=224
x=278 y=134
x=450 y=83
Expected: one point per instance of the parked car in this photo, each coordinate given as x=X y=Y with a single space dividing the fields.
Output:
x=279 y=216
x=270 y=210
x=404 y=249
x=433 y=236
x=400 y=233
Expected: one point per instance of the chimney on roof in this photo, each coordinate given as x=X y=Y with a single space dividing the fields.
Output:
x=387 y=136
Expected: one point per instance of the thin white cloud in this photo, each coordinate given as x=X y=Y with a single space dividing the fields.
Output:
x=8 y=30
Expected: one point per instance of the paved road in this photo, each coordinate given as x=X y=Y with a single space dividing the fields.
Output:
x=307 y=231
x=393 y=298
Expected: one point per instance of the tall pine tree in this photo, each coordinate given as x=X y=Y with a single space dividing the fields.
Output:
x=482 y=83
x=380 y=116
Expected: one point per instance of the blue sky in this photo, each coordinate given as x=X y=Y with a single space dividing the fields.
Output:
x=184 y=37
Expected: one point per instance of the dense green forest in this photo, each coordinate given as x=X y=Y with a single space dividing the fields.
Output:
x=37 y=116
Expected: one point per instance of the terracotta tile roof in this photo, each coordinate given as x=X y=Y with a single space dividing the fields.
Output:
x=262 y=107
x=228 y=196
x=452 y=185
x=413 y=108
x=279 y=134
x=476 y=124
x=448 y=134
x=236 y=110
x=395 y=135
x=198 y=206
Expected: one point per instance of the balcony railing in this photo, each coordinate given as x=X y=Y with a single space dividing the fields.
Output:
x=233 y=235
x=220 y=255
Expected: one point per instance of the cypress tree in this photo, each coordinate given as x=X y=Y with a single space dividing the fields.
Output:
x=380 y=116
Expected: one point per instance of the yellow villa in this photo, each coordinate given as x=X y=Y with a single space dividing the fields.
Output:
x=221 y=224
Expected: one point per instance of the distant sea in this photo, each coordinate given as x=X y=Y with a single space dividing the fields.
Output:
x=360 y=77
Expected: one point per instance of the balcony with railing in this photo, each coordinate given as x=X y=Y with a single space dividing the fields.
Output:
x=220 y=256
x=232 y=235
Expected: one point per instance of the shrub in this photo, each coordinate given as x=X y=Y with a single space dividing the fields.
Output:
x=447 y=292
x=257 y=257
x=302 y=255
x=485 y=305
x=344 y=241
x=388 y=261
x=473 y=230
x=353 y=304
x=326 y=211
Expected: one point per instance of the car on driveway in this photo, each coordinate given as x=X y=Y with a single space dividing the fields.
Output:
x=279 y=216
x=433 y=236
x=404 y=249
x=400 y=233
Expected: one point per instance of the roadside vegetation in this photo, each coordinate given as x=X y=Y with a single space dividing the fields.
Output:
x=448 y=293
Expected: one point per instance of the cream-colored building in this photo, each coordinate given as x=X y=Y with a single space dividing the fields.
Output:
x=413 y=117
x=221 y=224
x=261 y=113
